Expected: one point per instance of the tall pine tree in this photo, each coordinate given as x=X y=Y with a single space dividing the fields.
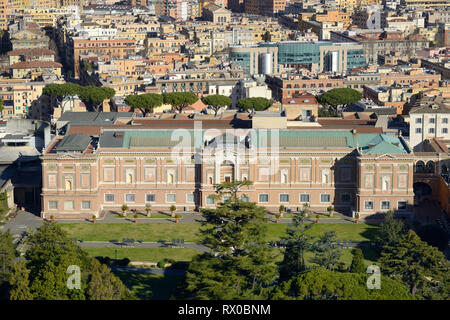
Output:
x=239 y=263
x=297 y=243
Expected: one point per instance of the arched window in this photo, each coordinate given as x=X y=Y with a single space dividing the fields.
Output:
x=420 y=166
x=170 y=178
x=430 y=167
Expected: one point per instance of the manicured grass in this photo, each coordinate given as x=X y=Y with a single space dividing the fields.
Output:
x=144 y=254
x=150 y=286
x=344 y=231
x=154 y=216
x=188 y=231
x=145 y=231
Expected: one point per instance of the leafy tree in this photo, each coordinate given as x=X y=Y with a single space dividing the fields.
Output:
x=423 y=268
x=339 y=96
x=391 y=231
x=323 y=284
x=327 y=252
x=1 y=105
x=94 y=96
x=49 y=255
x=8 y=254
x=357 y=265
x=266 y=36
x=297 y=243
x=62 y=91
x=434 y=236
x=104 y=285
x=230 y=189
x=19 y=282
x=180 y=100
x=144 y=102
x=326 y=113
x=239 y=263
x=216 y=102
x=259 y=104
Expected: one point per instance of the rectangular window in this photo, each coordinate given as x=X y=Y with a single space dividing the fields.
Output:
x=368 y=205
x=209 y=200
x=109 y=197
x=150 y=197
x=190 y=197
x=385 y=205
x=444 y=120
x=325 y=197
x=244 y=198
x=418 y=130
x=418 y=120
x=431 y=120
x=85 y=204
x=68 y=205
x=53 y=204
x=284 y=198
x=431 y=130
x=264 y=197
x=304 y=198
x=171 y=197
x=401 y=205
x=444 y=130
x=130 y=197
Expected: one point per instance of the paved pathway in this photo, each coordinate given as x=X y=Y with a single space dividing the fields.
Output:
x=166 y=271
x=24 y=221
x=109 y=244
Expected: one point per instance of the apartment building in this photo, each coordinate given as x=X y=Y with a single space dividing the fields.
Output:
x=101 y=46
x=429 y=118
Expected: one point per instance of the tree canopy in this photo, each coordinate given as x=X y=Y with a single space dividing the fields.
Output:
x=339 y=96
x=423 y=268
x=391 y=231
x=239 y=264
x=44 y=275
x=91 y=95
x=327 y=252
x=94 y=96
x=179 y=100
x=1 y=105
x=297 y=243
x=259 y=104
x=357 y=265
x=323 y=284
x=216 y=101
x=144 y=102
x=434 y=236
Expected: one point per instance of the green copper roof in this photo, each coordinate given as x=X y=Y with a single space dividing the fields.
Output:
x=368 y=143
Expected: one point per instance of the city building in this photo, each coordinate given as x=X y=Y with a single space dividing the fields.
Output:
x=429 y=118
x=365 y=173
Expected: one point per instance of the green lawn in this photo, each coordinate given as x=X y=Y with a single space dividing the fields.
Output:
x=144 y=254
x=154 y=216
x=150 y=286
x=188 y=231
x=344 y=231
x=146 y=232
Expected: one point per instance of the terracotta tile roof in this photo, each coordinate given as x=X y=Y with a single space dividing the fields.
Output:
x=31 y=52
x=36 y=64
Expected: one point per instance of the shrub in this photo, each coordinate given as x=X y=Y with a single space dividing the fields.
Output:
x=123 y=262
x=161 y=264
